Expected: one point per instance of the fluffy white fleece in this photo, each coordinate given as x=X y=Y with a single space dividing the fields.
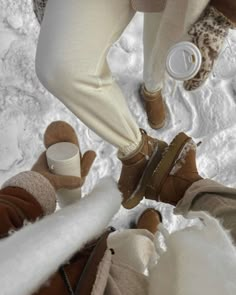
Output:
x=31 y=255
x=198 y=260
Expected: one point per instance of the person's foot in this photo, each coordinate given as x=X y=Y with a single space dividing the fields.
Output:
x=155 y=107
x=137 y=168
x=175 y=173
x=149 y=219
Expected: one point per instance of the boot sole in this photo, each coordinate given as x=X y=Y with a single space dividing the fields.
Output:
x=165 y=166
x=159 y=126
x=139 y=193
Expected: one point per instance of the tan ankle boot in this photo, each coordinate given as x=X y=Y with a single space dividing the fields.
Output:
x=175 y=173
x=149 y=219
x=137 y=169
x=155 y=107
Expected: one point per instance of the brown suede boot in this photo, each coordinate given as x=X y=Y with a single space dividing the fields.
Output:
x=149 y=219
x=175 y=173
x=137 y=169
x=155 y=107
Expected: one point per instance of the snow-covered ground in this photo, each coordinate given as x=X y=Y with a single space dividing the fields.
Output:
x=26 y=108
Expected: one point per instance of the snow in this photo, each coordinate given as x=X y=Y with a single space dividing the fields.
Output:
x=26 y=108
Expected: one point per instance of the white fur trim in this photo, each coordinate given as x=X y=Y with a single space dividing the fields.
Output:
x=199 y=260
x=30 y=256
x=38 y=186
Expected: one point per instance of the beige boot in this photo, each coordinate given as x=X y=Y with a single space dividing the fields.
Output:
x=149 y=219
x=175 y=173
x=137 y=169
x=155 y=107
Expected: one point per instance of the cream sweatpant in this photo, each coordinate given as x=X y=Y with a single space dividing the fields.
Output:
x=71 y=59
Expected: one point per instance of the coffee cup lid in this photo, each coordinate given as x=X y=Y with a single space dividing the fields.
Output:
x=62 y=151
x=183 y=61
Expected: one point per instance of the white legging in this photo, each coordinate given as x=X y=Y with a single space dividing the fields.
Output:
x=71 y=61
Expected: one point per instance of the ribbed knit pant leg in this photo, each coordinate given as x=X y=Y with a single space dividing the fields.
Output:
x=71 y=63
x=171 y=27
x=151 y=25
x=214 y=198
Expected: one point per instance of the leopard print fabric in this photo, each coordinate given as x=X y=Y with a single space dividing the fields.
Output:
x=39 y=8
x=208 y=34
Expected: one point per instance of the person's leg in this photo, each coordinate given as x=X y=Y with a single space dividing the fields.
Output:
x=161 y=31
x=151 y=25
x=71 y=63
x=174 y=25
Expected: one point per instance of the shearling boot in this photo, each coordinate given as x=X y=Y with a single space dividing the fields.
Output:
x=149 y=219
x=175 y=173
x=137 y=168
x=155 y=107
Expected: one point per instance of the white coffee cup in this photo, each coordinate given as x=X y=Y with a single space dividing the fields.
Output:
x=64 y=159
x=183 y=61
